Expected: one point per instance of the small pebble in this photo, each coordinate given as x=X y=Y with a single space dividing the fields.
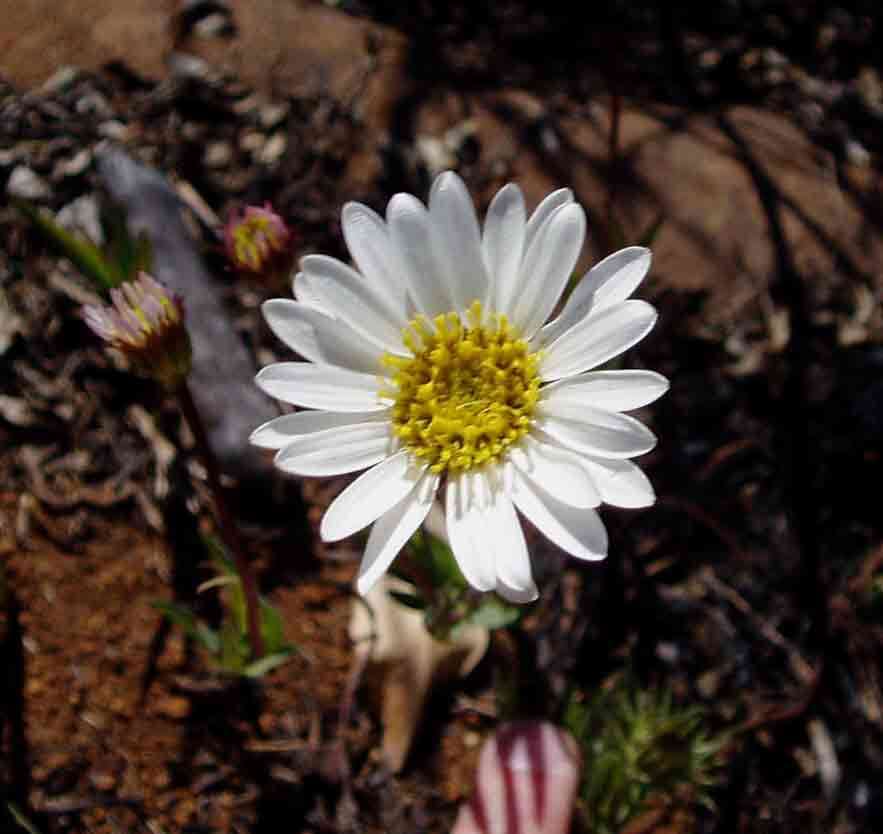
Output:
x=113 y=129
x=273 y=150
x=94 y=104
x=252 y=141
x=60 y=80
x=857 y=154
x=218 y=155
x=185 y=67
x=26 y=185
x=73 y=166
x=213 y=26
x=272 y=115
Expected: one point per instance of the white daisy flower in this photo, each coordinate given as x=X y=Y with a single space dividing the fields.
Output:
x=434 y=368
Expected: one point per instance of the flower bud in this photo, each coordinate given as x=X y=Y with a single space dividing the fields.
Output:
x=527 y=779
x=258 y=241
x=145 y=323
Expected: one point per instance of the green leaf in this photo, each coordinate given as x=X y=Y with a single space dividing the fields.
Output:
x=259 y=668
x=80 y=251
x=21 y=819
x=442 y=563
x=184 y=617
x=272 y=629
x=493 y=612
x=234 y=651
x=125 y=254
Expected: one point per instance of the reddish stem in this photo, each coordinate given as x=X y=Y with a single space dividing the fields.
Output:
x=226 y=524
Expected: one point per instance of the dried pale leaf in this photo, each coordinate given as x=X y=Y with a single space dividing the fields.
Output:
x=393 y=642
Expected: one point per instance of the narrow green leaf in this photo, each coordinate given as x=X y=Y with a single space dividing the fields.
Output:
x=80 y=251
x=259 y=668
x=272 y=628
x=21 y=819
x=184 y=618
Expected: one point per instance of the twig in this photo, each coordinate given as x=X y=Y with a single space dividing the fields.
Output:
x=799 y=665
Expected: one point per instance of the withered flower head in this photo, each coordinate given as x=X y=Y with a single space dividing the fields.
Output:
x=145 y=323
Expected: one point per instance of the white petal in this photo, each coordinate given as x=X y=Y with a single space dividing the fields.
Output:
x=621 y=482
x=336 y=450
x=411 y=233
x=543 y=211
x=609 y=282
x=502 y=534
x=321 y=386
x=597 y=339
x=348 y=296
x=304 y=293
x=319 y=338
x=280 y=431
x=462 y=519
x=503 y=246
x=547 y=266
x=393 y=529
x=559 y=471
x=580 y=532
x=610 y=390
x=368 y=241
x=607 y=434
x=619 y=275
x=368 y=497
x=518 y=596
x=457 y=240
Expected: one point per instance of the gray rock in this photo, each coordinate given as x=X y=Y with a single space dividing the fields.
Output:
x=27 y=185
x=222 y=380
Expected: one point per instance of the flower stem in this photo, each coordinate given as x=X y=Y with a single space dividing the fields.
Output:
x=226 y=524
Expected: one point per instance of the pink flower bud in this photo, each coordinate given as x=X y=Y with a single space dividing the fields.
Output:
x=526 y=783
x=145 y=323
x=257 y=240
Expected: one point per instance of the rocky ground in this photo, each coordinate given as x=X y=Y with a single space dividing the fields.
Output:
x=752 y=135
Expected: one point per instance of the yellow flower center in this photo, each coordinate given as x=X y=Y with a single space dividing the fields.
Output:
x=251 y=240
x=468 y=393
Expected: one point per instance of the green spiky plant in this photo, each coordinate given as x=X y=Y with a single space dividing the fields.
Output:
x=641 y=752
